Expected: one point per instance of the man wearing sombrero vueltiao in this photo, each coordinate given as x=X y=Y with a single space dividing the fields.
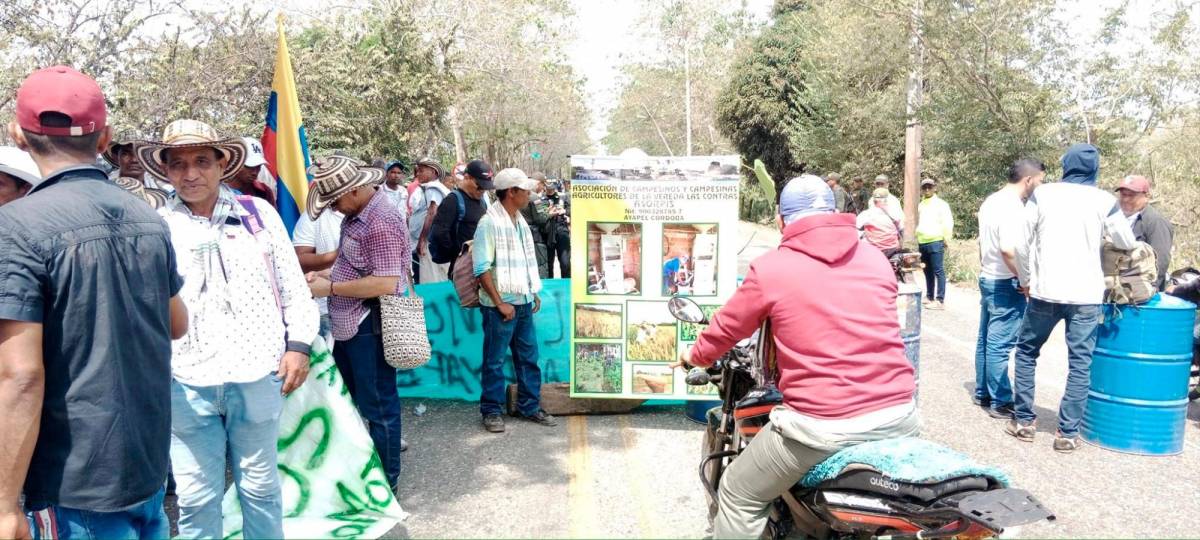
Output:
x=252 y=320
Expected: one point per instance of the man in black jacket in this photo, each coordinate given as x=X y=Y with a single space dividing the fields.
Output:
x=1148 y=225
x=458 y=215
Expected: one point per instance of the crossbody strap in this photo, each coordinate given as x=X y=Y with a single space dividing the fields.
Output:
x=254 y=225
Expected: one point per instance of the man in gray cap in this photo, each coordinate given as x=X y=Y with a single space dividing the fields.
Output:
x=841 y=199
x=893 y=207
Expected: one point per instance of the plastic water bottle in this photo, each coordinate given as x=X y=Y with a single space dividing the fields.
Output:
x=420 y=409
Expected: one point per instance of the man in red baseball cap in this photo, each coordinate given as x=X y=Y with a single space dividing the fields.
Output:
x=88 y=309
x=1148 y=225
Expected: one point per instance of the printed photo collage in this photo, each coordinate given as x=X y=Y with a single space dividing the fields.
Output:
x=625 y=337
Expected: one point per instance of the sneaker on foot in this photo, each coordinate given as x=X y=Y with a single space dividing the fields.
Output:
x=403 y=445
x=927 y=302
x=981 y=402
x=493 y=423
x=1065 y=445
x=541 y=417
x=937 y=304
x=1024 y=432
x=1003 y=412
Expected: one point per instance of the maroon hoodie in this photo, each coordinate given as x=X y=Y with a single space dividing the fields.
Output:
x=831 y=299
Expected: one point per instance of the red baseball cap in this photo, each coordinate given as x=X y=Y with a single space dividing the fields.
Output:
x=1135 y=183
x=60 y=89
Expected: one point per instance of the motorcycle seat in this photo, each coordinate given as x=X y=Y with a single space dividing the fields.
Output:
x=871 y=481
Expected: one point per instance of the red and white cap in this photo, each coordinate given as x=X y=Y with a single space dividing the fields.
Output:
x=62 y=90
x=1135 y=183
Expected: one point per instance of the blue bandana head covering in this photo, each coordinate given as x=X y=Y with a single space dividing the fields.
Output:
x=803 y=196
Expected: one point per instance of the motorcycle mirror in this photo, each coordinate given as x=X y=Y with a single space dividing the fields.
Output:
x=686 y=310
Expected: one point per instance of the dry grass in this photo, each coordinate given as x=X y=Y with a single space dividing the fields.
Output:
x=659 y=347
x=591 y=323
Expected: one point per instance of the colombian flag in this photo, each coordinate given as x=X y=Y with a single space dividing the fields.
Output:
x=284 y=141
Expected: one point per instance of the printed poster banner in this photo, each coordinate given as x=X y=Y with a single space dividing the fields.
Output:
x=333 y=482
x=653 y=227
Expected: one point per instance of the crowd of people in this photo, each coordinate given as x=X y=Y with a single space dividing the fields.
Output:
x=153 y=320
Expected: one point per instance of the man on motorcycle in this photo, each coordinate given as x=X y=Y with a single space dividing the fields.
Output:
x=845 y=380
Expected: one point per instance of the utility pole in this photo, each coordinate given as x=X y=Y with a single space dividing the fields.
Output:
x=912 y=131
x=687 y=88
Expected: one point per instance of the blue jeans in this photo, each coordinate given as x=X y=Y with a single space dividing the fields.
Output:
x=933 y=255
x=209 y=423
x=372 y=385
x=1001 y=308
x=520 y=337
x=146 y=520
x=1040 y=319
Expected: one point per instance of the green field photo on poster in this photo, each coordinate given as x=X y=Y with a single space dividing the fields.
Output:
x=598 y=321
x=689 y=332
x=651 y=332
x=597 y=368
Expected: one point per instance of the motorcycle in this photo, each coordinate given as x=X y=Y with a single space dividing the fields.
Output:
x=906 y=264
x=860 y=501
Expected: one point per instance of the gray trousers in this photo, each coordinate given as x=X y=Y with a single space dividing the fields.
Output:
x=778 y=457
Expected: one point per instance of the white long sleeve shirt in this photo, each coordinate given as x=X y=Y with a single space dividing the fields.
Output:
x=1065 y=228
x=240 y=334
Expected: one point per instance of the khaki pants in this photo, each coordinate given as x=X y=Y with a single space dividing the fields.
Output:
x=778 y=457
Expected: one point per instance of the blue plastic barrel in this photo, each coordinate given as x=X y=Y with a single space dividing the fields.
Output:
x=697 y=410
x=908 y=309
x=1138 y=402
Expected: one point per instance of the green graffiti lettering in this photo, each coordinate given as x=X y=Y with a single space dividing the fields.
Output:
x=319 y=453
x=374 y=464
x=305 y=489
x=233 y=534
x=349 y=531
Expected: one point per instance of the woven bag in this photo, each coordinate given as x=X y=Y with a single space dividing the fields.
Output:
x=405 y=338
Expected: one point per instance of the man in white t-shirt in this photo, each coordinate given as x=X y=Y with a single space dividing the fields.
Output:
x=316 y=244
x=394 y=187
x=1066 y=224
x=423 y=201
x=1002 y=301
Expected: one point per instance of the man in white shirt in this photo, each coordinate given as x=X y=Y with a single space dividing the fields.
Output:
x=394 y=187
x=1059 y=265
x=252 y=321
x=316 y=243
x=1002 y=302
x=423 y=203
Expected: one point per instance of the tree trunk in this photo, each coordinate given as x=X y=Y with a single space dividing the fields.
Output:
x=460 y=144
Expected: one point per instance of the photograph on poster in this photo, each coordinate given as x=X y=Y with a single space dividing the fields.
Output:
x=598 y=368
x=598 y=321
x=614 y=253
x=689 y=331
x=653 y=379
x=689 y=259
x=651 y=332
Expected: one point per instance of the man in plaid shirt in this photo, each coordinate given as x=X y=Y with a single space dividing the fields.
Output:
x=374 y=259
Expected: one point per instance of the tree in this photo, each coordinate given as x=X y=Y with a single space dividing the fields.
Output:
x=668 y=101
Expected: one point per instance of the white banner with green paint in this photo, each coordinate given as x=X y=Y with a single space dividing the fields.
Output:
x=333 y=482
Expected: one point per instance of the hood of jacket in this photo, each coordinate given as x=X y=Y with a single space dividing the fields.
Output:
x=1081 y=164
x=829 y=238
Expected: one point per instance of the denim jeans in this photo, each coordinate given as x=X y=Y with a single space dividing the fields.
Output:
x=933 y=255
x=372 y=385
x=1001 y=308
x=1040 y=319
x=146 y=520
x=520 y=337
x=209 y=423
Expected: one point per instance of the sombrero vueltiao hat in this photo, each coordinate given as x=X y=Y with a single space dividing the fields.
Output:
x=335 y=176
x=190 y=134
x=125 y=138
x=156 y=198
